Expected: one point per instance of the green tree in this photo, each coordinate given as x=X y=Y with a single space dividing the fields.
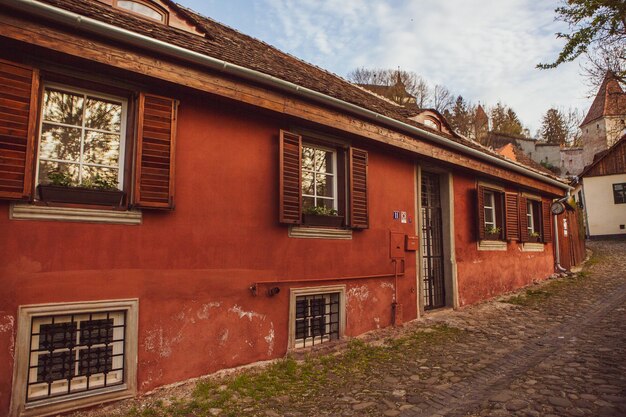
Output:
x=461 y=117
x=597 y=28
x=505 y=120
x=554 y=127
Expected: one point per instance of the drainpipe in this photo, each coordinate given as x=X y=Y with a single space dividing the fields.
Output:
x=120 y=34
x=558 y=266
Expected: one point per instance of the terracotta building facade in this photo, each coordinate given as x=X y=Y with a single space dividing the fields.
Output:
x=164 y=215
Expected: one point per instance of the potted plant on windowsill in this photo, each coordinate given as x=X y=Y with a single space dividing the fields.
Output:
x=321 y=216
x=493 y=233
x=97 y=191
x=533 y=237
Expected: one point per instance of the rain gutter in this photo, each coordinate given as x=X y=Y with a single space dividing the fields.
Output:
x=120 y=34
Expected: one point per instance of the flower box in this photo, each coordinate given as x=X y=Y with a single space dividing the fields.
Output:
x=322 y=220
x=534 y=239
x=78 y=195
x=493 y=236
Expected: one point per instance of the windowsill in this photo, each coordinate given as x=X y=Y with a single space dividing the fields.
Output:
x=532 y=247
x=22 y=211
x=492 y=245
x=312 y=232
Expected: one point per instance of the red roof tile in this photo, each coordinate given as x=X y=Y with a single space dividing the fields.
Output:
x=224 y=43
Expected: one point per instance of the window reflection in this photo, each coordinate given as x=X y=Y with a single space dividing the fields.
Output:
x=80 y=138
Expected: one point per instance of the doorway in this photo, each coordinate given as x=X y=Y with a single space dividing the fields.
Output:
x=434 y=295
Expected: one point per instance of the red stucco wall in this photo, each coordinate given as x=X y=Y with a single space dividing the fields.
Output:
x=191 y=268
x=485 y=274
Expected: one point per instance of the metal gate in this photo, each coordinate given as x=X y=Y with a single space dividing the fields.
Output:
x=432 y=245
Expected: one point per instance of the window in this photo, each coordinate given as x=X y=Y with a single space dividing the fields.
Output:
x=79 y=152
x=490 y=214
x=316 y=315
x=319 y=177
x=317 y=319
x=73 y=355
x=142 y=9
x=81 y=139
x=619 y=193
x=431 y=123
x=323 y=183
x=533 y=218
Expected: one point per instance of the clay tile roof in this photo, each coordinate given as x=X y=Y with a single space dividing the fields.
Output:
x=610 y=100
x=514 y=153
x=227 y=44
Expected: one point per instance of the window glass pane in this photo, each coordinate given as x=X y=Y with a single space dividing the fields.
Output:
x=68 y=171
x=617 y=186
x=301 y=308
x=308 y=158
x=142 y=9
x=308 y=186
x=101 y=148
x=99 y=177
x=318 y=306
x=95 y=360
x=324 y=185
x=57 y=336
x=62 y=107
x=325 y=202
x=59 y=142
x=308 y=202
x=489 y=216
x=103 y=115
x=323 y=161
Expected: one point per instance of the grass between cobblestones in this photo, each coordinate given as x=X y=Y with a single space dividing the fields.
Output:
x=533 y=297
x=294 y=381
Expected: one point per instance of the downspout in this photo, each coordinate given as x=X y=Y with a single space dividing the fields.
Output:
x=557 y=251
x=117 y=33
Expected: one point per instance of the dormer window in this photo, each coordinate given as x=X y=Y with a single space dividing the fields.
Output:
x=430 y=122
x=143 y=9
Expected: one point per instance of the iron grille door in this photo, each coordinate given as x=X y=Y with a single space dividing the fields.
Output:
x=432 y=245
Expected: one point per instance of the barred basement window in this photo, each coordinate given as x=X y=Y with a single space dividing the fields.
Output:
x=317 y=315
x=317 y=319
x=75 y=353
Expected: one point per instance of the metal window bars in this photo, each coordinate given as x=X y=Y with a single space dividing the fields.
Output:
x=75 y=353
x=317 y=319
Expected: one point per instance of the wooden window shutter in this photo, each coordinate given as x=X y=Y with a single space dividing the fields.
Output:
x=512 y=216
x=480 y=210
x=545 y=221
x=359 y=210
x=523 y=219
x=154 y=161
x=19 y=87
x=290 y=178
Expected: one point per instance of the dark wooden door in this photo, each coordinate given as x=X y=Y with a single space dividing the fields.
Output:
x=432 y=243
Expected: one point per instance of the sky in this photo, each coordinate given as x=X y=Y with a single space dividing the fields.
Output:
x=484 y=50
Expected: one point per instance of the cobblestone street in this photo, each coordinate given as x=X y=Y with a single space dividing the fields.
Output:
x=556 y=349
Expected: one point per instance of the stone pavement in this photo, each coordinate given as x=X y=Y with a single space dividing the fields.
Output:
x=563 y=354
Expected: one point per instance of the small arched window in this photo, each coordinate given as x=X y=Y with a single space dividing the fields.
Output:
x=432 y=123
x=142 y=8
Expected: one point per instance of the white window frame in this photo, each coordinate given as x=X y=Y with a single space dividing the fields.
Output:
x=490 y=204
x=530 y=216
x=309 y=291
x=333 y=174
x=61 y=404
x=85 y=93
